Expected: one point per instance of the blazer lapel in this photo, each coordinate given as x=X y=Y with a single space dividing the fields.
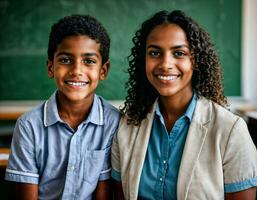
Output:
x=193 y=146
x=139 y=152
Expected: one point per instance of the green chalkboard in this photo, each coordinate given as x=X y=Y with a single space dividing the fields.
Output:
x=25 y=26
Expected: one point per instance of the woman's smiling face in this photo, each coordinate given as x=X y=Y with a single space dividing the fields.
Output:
x=169 y=64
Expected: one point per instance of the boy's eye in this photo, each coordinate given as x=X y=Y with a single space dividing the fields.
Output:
x=154 y=53
x=89 y=61
x=65 y=60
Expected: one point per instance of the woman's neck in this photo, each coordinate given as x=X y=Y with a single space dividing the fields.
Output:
x=173 y=107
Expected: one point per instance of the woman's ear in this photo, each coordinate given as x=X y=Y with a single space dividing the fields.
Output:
x=50 y=71
x=104 y=70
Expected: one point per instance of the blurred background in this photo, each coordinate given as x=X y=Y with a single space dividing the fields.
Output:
x=25 y=26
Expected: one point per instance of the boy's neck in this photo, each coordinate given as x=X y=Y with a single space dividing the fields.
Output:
x=73 y=113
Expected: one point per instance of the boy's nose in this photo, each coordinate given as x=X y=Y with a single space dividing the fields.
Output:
x=77 y=68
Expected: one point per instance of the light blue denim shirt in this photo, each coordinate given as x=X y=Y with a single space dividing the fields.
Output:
x=160 y=172
x=65 y=163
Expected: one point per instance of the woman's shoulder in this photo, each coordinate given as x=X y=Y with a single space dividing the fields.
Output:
x=125 y=124
x=217 y=113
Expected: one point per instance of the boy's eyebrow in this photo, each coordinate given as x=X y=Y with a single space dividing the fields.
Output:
x=90 y=54
x=173 y=47
x=84 y=54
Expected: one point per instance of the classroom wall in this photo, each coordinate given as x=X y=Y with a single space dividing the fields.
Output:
x=25 y=26
x=249 y=51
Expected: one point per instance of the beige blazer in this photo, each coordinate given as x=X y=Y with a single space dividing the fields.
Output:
x=218 y=151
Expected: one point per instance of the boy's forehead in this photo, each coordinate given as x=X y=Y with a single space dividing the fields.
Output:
x=79 y=43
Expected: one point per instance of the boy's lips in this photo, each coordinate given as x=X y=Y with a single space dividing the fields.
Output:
x=77 y=83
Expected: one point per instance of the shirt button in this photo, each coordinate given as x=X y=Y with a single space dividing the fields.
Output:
x=160 y=179
x=72 y=168
x=164 y=162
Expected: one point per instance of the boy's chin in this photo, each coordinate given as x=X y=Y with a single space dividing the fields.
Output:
x=76 y=97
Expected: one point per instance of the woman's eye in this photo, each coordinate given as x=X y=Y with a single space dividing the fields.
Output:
x=65 y=60
x=179 y=53
x=154 y=53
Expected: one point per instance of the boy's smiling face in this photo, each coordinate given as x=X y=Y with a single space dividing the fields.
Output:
x=77 y=68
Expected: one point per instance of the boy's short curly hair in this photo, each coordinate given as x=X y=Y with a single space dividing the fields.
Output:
x=79 y=25
x=207 y=74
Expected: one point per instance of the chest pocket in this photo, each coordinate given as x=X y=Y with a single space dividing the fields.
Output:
x=93 y=164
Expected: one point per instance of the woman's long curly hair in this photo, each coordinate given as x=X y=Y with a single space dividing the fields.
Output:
x=207 y=74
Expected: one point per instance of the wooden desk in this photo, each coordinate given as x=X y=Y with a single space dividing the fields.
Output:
x=11 y=110
x=250 y=115
x=3 y=163
x=252 y=125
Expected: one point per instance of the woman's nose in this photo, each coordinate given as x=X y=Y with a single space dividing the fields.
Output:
x=167 y=61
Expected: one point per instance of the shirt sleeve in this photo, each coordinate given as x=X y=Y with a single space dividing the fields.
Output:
x=240 y=159
x=22 y=162
x=112 y=117
x=116 y=175
x=106 y=170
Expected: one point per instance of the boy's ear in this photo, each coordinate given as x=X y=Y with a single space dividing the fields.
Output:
x=50 y=70
x=104 y=70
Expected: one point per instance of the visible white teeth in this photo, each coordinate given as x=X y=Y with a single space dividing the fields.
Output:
x=76 y=83
x=167 y=78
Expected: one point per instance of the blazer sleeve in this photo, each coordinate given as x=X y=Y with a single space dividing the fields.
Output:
x=240 y=158
x=115 y=159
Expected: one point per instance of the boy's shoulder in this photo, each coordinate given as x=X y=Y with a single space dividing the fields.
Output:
x=34 y=114
x=109 y=111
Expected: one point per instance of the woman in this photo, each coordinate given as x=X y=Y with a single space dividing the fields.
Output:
x=176 y=139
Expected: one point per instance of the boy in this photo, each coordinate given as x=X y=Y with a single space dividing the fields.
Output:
x=61 y=149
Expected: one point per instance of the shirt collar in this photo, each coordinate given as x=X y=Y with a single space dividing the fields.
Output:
x=191 y=108
x=96 y=115
x=189 y=112
x=51 y=115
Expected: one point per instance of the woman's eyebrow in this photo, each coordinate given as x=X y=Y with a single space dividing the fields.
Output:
x=173 y=47
x=180 y=46
x=153 y=46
